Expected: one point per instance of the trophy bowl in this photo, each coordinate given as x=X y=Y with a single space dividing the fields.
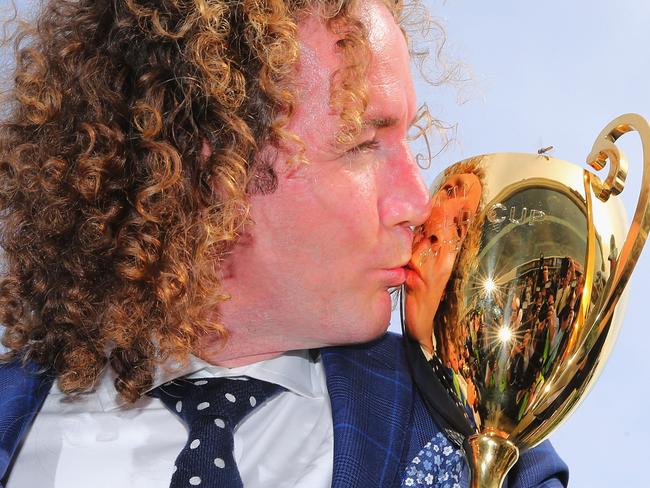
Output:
x=509 y=304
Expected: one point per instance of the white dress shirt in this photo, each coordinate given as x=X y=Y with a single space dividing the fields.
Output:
x=95 y=442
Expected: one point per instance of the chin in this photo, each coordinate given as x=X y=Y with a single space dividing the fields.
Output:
x=361 y=324
x=366 y=333
x=379 y=331
x=376 y=322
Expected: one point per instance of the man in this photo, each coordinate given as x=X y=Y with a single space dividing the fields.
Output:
x=230 y=180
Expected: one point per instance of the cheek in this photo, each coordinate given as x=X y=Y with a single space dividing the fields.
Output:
x=336 y=213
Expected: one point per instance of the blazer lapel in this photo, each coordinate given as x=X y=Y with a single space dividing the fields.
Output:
x=372 y=396
x=24 y=389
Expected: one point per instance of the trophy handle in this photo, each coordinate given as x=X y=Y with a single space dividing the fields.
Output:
x=604 y=149
x=568 y=387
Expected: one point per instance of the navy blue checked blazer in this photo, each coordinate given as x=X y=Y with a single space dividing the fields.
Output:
x=380 y=421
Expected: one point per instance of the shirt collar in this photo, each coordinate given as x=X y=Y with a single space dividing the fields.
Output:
x=296 y=371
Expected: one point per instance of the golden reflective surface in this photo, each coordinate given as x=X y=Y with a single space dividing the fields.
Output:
x=512 y=289
x=491 y=453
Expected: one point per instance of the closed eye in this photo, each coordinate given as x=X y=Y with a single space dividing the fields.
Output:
x=365 y=146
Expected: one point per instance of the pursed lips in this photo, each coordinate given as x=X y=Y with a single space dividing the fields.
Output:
x=396 y=274
x=413 y=276
x=404 y=263
x=411 y=266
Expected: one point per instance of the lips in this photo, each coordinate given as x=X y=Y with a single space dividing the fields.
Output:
x=413 y=268
x=397 y=274
x=413 y=276
x=394 y=276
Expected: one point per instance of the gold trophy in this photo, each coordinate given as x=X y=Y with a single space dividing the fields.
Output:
x=510 y=302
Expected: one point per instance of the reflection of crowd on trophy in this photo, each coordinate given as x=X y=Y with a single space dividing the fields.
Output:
x=513 y=349
x=502 y=346
x=459 y=360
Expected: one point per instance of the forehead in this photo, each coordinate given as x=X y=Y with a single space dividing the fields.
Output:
x=319 y=57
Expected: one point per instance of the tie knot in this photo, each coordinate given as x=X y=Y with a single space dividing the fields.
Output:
x=226 y=400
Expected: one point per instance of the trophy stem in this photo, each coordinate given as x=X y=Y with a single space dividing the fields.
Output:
x=492 y=456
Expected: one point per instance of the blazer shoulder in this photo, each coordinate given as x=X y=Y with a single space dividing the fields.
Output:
x=386 y=352
x=24 y=387
x=390 y=344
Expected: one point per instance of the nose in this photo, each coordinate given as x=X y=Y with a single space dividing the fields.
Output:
x=405 y=200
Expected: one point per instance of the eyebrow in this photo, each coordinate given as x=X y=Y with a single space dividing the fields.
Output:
x=386 y=122
x=381 y=123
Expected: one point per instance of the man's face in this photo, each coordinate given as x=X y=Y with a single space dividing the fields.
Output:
x=326 y=246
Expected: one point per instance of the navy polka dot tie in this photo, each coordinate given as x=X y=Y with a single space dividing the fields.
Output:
x=211 y=408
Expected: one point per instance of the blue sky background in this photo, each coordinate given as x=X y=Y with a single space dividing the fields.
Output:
x=554 y=73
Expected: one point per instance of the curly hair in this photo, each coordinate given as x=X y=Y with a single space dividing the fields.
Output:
x=130 y=144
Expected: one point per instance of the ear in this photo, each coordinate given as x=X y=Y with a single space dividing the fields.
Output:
x=264 y=178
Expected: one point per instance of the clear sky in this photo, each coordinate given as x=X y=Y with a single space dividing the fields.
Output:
x=555 y=73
